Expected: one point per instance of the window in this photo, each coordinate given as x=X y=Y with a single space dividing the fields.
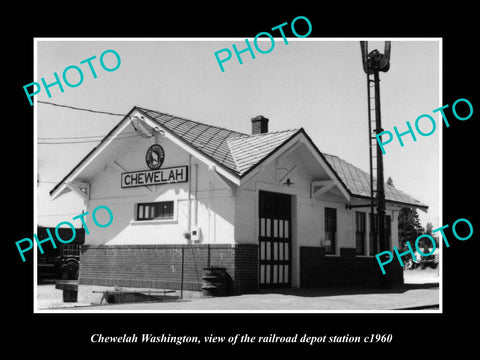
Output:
x=330 y=230
x=360 y=232
x=388 y=234
x=373 y=225
x=388 y=231
x=155 y=211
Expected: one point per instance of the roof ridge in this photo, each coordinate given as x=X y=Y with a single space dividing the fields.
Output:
x=263 y=134
x=324 y=153
x=243 y=149
x=193 y=121
x=235 y=161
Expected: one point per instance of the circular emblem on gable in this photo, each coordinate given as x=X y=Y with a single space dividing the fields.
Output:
x=155 y=156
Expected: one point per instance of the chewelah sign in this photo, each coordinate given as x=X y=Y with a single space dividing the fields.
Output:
x=155 y=177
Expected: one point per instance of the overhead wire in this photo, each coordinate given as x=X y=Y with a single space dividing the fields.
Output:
x=73 y=137
x=85 y=141
x=101 y=137
x=81 y=109
x=44 y=215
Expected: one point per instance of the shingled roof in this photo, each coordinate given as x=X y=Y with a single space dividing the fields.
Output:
x=239 y=152
x=357 y=182
x=235 y=150
x=248 y=151
x=211 y=140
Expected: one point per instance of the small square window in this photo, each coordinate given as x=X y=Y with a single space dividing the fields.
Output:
x=162 y=210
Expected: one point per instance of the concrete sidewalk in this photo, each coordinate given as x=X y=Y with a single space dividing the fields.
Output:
x=405 y=297
x=313 y=300
x=420 y=290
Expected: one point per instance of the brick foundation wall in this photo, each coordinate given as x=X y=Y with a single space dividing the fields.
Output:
x=317 y=270
x=160 y=266
x=246 y=269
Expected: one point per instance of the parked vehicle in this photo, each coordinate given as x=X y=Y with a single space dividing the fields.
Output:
x=431 y=261
x=423 y=261
x=63 y=262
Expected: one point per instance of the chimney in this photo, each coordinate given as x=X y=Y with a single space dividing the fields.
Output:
x=259 y=125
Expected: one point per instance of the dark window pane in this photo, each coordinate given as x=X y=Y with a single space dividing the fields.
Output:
x=360 y=232
x=330 y=230
x=157 y=210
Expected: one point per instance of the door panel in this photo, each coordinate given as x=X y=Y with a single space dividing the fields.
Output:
x=274 y=239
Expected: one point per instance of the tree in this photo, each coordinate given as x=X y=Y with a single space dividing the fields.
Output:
x=429 y=228
x=409 y=227
x=429 y=231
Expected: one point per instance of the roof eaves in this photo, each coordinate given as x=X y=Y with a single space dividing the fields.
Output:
x=417 y=204
x=401 y=203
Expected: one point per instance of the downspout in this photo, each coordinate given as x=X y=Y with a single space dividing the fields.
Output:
x=189 y=225
x=210 y=187
x=195 y=219
x=189 y=228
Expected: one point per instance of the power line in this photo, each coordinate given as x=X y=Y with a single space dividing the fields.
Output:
x=83 y=142
x=44 y=215
x=76 y=137
x=81 y=109
x=80 y=137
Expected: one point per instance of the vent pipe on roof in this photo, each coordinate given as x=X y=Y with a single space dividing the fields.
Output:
x=259 y=125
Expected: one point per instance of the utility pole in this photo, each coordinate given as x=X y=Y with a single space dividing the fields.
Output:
x=380 y=180
x=373 y=63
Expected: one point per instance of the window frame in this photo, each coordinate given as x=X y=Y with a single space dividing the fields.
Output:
x=388 y=231
x=373 y=222
x=360 y=230
x=154 y=206
x=331 y=249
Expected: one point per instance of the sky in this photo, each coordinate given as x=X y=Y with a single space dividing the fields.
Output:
x=315 y=83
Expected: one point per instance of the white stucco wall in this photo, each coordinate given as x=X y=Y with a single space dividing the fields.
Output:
x=215 y=204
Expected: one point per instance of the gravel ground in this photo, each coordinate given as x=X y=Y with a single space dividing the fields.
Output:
x=49 y=297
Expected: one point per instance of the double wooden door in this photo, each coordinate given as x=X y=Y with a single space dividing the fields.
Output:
x=275 y=228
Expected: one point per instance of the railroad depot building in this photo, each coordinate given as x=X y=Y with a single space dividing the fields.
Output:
x=267 y=206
